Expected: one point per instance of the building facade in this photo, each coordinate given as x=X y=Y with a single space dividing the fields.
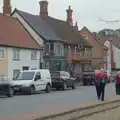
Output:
x=99 y=51
x=18 y=50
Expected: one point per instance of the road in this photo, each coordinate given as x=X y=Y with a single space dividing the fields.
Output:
x=26 y=103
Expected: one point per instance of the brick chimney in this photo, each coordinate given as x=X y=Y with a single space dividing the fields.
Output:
x=69 y=15
x=6 y=7
x=43 y=8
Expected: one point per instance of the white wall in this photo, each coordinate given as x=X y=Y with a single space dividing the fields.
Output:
x=116 y=56
x=25 y=60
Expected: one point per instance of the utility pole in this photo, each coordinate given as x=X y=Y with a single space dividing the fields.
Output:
x=109 y=56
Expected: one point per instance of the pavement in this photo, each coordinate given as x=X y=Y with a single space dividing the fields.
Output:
x=40 y=104
x=113 y=114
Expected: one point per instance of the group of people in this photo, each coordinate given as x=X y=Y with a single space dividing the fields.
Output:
x=100 y=80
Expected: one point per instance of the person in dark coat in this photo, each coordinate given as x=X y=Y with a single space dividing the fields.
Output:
x=101 y=80
x=117 y=83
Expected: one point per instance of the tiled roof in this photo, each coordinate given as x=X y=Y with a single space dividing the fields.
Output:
x=53 y=29
x=65 y=31
x=39 y=26
x=13 y=34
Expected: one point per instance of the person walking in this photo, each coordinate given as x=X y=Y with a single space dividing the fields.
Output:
x=103 y=79
x=96 y=79
x=117 y=83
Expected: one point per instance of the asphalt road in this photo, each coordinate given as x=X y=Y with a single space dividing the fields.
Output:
x=26 y=103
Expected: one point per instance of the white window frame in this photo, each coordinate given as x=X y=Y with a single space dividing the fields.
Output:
x=16 y=54
x=2 y=53
x=34 y=55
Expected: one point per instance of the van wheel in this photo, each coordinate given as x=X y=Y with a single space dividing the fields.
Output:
x=48 y=88
x=10 y=93
x=32 y=90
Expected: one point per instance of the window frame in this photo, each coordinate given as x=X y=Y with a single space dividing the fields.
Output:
x=2 y=53
x=34 y=55
x=16 y=54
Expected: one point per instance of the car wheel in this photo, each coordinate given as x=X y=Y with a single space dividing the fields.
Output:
x=11 y=92
x=32 y=90
x=64 y=86
x=48 y=88
x=74 y=85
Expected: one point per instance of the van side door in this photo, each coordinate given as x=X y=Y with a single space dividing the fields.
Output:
x=37 y=81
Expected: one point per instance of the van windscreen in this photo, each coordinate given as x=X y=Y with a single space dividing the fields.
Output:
x=25 y=76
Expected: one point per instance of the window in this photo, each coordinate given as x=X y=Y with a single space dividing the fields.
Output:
x=83 y=52
x=15 y=73
x=88 y=52
x=82 y=67
x=2 y=53
x=87 y=66
x=47 y=48
x=34 y=55
x=67 y=74
x=16 y=54
x=25 y=76
x=58 y=49
x=63 y=73
x=85 y=36
x=38 y=76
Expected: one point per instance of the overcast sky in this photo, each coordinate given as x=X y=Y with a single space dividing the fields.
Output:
x=85 y=12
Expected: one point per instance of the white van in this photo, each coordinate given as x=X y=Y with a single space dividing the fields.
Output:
x=31 y=81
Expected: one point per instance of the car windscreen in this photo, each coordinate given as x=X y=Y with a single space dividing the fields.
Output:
x=55 y=74
x=25 y=76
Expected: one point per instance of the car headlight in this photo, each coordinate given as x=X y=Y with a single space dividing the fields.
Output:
x=25 y=85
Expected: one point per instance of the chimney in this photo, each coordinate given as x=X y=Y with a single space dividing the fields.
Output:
x=69 y=15
x=76 y=26
x=43 y=8
x=6 y=7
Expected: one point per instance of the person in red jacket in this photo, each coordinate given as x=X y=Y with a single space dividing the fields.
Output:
x=117 y=83
x=101 y=79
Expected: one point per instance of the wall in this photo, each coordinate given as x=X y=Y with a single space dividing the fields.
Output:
x=116 y=56
x=4 y=63
x=25 y=60
x=98 y=50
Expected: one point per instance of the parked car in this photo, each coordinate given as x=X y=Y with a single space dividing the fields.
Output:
x=31 y=81
x=62 y=79
x=6 y=86
x=88 y=78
